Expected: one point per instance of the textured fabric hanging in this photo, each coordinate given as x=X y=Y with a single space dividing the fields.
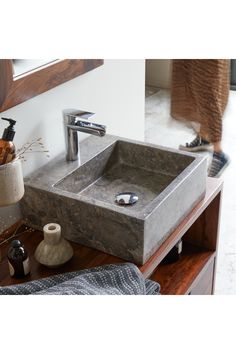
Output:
x=199 y=94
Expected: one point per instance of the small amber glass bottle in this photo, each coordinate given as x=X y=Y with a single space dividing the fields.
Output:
x=7 y=147
x=18 y=260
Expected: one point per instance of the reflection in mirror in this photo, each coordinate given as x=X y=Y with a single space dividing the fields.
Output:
x=24 y=66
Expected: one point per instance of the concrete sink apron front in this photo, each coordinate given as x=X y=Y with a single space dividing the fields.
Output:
x=81 y=199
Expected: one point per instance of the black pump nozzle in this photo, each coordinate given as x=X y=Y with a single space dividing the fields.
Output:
x=11 y=121
x=9 y=132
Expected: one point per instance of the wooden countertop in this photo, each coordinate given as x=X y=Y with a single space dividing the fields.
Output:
x=85 y=257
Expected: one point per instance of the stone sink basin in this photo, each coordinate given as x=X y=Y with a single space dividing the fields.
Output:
x=81 y=199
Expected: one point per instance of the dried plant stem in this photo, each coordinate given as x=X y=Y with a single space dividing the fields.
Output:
x=25 y=149
x=29 y=148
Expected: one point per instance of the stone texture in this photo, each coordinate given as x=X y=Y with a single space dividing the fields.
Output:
x=82 y=200
x=11 y=183
x=54 y=250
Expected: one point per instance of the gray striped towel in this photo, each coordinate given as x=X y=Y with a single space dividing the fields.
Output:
x=113 y=279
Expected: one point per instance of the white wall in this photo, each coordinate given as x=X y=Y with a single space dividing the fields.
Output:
x=114 y=91
x=158 y=72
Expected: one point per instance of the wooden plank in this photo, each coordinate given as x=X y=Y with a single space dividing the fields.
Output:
x=179 y=277
x=15 y=91
x=84 y=257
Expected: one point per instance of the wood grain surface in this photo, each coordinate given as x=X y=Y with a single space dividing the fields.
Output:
x=23 y=87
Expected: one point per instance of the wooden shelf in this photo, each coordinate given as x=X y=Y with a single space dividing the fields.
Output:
x=179 y=277
x=199 y=230
x=84 y=257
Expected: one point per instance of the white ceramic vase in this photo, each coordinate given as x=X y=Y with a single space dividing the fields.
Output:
x=54 y=250
x=11 y=183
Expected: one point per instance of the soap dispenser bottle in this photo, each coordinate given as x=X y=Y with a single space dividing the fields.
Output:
x=7 y=147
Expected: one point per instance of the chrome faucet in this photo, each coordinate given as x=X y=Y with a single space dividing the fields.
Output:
x=74 y=121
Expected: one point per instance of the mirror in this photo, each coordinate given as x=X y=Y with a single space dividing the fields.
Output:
x=24 y=66
x=22 y=79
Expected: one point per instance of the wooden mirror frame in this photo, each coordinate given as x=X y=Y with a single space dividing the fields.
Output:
x=23 y=87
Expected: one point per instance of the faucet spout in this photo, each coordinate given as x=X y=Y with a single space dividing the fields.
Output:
x=75 y=121
x=90 y=128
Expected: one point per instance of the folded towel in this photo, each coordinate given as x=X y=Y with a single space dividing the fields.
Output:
x=113 y=279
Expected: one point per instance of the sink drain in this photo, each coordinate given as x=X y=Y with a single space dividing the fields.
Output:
x=126 y=198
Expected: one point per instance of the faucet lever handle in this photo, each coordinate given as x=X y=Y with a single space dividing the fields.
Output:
x=76 y=113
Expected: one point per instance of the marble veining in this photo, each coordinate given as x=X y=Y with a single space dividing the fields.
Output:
x=82 y=199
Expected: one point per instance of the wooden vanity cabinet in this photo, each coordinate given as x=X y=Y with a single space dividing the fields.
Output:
x=204 y=285
x=192 y=274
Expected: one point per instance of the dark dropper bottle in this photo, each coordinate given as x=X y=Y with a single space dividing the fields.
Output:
x=18 y=260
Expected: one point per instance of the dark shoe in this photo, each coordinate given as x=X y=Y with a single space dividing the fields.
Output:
x=218 y=164
x=198 y=144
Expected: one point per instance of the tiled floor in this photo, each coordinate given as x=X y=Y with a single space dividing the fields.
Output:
x=150 y=90
x=161 y=129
